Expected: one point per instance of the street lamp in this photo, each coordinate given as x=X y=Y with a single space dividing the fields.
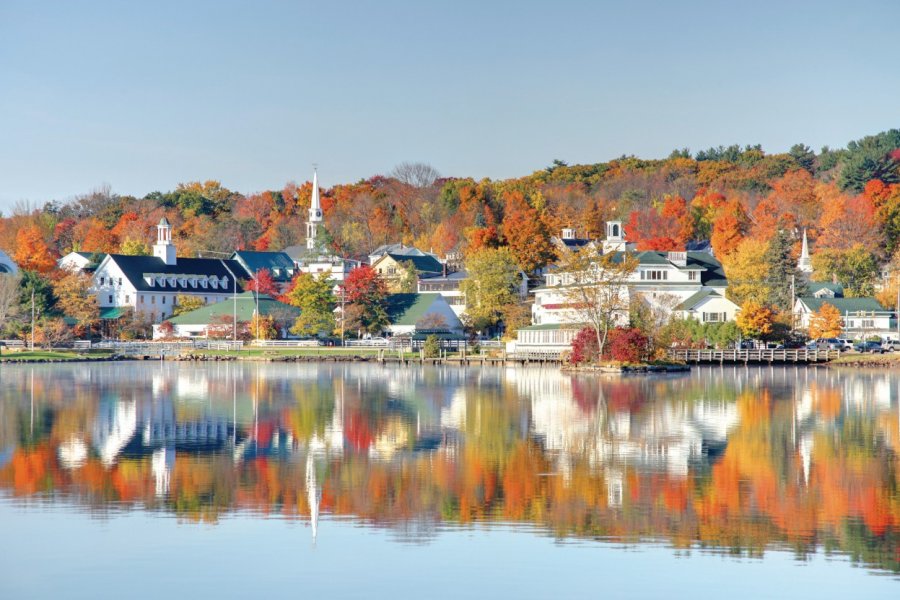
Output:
x=234 y=302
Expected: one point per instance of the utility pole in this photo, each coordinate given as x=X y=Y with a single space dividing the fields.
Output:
x=256 y=279
x=32 y=319
x=344 y=300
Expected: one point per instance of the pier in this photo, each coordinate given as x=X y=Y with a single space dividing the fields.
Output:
x=754 y=356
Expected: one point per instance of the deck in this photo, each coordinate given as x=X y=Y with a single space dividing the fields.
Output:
x=754 y=356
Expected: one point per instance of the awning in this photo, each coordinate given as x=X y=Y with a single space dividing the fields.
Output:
x=111 y=312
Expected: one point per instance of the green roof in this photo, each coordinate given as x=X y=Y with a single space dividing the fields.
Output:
x=246 y=306
x=422 y=264
x=111 y=312
x=408 y=309
x=844 y=305
x=817 y=286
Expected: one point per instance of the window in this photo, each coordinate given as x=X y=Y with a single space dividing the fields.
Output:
x=120 y=281
x=127 y=299
x=163 y=299
x=656 y=275
x=110 y=299
x=102 y=280
x=868 y=323
x=152 y=299
x=141 y=299
x=693 y=275
x=715 y=317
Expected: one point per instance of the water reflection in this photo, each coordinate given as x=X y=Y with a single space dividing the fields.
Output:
x=733 y=460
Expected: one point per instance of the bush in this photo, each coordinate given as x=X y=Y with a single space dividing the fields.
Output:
x=584 y=347
x=626 y=344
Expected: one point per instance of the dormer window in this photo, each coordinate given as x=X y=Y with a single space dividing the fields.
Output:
x=193 y=281
x=224 y=282
x=203 y=283
x=214 y=282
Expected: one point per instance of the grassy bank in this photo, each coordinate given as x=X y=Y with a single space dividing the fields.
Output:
x=890 y=359
x=54 y=355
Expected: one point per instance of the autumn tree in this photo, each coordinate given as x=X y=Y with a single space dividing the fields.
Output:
x=755 y=320
x=9 y=300
x=595 y=287
x=263 y=283
x=748 y=272
x=134 y=247
x=366 y=296
x=651 y=230
x=848 y=222
x=856 y=269
x=32 y=251
x=729 y=228
x=262 y=327
x=491 y=286
x=314 y=297
x=75 y=298
x=526 y=234
x=825 y=322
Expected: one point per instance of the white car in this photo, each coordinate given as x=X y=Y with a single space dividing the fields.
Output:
x=890 y=345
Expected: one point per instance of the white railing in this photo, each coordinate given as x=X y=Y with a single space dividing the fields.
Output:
x=81 y=344
x=754 y=355
x=286 y=343
x=379 y=343
x=12 y=343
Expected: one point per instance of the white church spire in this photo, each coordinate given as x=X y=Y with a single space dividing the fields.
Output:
x=804 y=265
x=163 y=248
x=315 y=213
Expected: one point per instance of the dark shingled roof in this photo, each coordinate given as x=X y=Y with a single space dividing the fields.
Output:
x=134 y=268
x=423 y=264
x=279 y=264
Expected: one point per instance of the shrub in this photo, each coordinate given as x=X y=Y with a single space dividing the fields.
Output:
x=432 y=346
x=626 y=344
x=584 y=347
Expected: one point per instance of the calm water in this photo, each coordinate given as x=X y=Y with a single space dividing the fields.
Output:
x=155 y=480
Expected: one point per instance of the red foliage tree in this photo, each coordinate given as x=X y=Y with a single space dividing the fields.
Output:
x=627 y=344
x=363 y=285
x=584 y=347
x=263 y=283
x=653 y=231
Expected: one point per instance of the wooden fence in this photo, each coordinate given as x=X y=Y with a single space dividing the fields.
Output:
x=757 y=356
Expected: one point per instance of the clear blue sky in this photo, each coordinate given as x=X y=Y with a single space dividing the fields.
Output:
x=143 y=95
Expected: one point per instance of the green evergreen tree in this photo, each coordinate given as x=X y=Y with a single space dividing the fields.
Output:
x=785 y=281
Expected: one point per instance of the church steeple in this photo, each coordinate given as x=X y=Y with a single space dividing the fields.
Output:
x=804 y=265
x=315 y=213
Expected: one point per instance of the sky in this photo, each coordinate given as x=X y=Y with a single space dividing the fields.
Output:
x=141 y=96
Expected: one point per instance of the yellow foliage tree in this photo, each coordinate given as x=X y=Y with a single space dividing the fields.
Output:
x=755 y=320
x=825 y=322
x=747 y=271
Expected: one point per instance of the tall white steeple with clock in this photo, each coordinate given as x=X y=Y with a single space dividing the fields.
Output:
x=315 y=214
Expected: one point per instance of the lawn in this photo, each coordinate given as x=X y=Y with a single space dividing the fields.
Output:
x=67 y=355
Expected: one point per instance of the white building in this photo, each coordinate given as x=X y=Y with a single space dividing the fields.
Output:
x=7 y=265
x=860 y=317
x=681 y=284
x=151 y=284
x=450 y=287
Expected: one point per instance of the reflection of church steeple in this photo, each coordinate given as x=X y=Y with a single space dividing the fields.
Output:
x=313 y=494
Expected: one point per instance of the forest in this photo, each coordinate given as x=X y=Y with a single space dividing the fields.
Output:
x=750 y=205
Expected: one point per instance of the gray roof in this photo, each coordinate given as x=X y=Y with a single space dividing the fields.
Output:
x=692 y=301
x=134 y=268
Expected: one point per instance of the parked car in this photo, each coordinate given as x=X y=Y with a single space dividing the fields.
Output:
x=848 y=344
x=891 y=345
x=874 y=347
x=826 y=344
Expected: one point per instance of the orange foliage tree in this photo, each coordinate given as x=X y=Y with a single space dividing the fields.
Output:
x=32 y=251
x=825 y=322
x=526 y=234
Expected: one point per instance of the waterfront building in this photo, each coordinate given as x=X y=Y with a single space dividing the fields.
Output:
x=677 y=283
x=81 y=262
x=152 y=284
x=861 y=318
x=279 y=265
x=392 y=266
x=409 y=313
x=449 y=286
x=209 y=319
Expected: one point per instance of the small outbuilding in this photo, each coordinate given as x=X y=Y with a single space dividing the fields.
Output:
x=197 y=323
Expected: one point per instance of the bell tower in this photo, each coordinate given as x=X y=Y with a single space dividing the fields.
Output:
x=163 y=248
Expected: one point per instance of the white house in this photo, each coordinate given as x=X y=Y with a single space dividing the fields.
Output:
x=80 y=261
x=683 y=284
x=860 y=317
x=7 y=265
x=151 y=284
x=409 y=313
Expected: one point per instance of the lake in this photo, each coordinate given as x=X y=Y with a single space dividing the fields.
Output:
x=148 y=480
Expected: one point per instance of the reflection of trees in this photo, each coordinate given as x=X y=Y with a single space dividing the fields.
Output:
x=722 y=461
